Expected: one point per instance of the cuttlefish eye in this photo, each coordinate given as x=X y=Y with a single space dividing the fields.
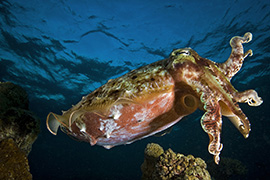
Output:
x=178 y=52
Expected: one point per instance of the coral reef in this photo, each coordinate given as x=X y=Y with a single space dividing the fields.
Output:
x=227 y=169
x=14 y=163
x=151 y=154
x=12 y=95
x=160 y=165
x=16 y=121
x=19 y=128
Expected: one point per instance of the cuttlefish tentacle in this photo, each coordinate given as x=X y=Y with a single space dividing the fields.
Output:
x=249 y=96
x=236 y=59
x=211 y=123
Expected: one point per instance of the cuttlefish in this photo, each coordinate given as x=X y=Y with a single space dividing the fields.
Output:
x=153 y=98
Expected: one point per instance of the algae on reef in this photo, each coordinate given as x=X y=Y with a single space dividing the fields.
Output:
x=168 y=165
x=14 y=163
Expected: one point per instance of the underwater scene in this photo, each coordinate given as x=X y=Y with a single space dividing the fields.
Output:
x=134 y=89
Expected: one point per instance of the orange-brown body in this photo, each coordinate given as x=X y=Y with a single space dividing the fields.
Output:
x=153 y=98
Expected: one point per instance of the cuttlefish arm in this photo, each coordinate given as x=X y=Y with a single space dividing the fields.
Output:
x=211 y=123
x=203 y=76
x=229 y=69
x=219 y=98
x=211 y=82
x=223 y=100
x=236 y=59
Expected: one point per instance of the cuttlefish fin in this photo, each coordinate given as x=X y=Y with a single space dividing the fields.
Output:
x=108 y=146
x=54 y=121
x=164 y=132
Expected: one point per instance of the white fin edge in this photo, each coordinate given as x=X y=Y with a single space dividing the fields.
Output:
x=53 y=122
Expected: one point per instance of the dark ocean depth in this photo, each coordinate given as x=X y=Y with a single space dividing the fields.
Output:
x=61 y=50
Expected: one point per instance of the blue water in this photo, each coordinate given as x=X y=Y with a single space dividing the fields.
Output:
x=61 y=50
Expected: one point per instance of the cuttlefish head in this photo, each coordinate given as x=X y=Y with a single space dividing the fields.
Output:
x=183 y=55
x=182 y=65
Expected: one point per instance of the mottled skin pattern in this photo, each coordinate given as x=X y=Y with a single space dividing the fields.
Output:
x=152 y=98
